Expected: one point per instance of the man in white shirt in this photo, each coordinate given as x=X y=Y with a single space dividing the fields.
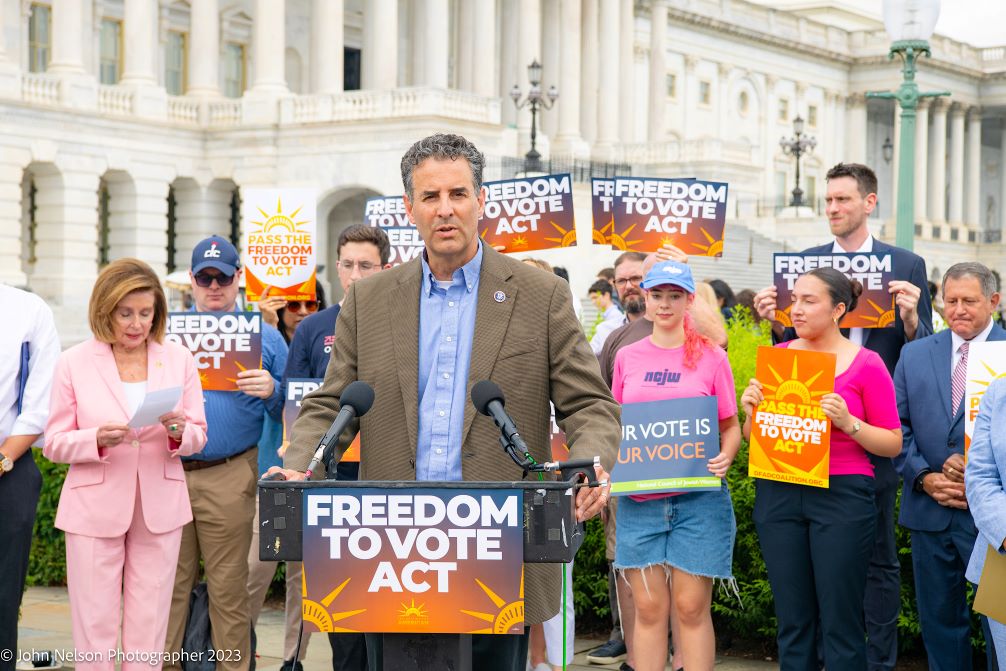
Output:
x=611 y=315
x=29 y=347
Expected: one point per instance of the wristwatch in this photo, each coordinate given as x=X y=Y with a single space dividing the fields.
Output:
x=920 y=479
x=856 y=426
x=6 y=464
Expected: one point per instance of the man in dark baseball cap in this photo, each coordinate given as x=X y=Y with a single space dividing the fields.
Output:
x=215 y=252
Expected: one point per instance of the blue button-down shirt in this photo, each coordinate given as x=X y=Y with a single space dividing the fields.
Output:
x=446 y=330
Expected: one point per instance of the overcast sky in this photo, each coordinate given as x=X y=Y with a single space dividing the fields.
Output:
x=981 y=23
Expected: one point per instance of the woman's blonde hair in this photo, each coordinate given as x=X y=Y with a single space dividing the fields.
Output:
x=541 y=264
x=116 y=281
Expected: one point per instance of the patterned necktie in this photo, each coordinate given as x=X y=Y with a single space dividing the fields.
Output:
x=959 y=378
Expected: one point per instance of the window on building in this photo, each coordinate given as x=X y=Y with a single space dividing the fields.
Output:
x=955 y=234
x=351 y=69
x=812 y=116
x=783 y=115
x=103 y=224
x=705 y=93
x=235 y=232
x=172 y=229
x=39 y=37
x=810 y=197
x=110 y=64
x=743 y=102
x=937 y=232
x=672 y=85
x=780 y=188
x=29 y=223
x=234 y=69
x=175 y=59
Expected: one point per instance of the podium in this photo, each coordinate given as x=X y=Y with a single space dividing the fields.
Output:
x=546 y=531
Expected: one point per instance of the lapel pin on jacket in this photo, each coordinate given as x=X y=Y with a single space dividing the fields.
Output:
x=499 y=296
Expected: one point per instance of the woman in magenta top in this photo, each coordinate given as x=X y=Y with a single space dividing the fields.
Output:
x=688 y=537
x=817 y=541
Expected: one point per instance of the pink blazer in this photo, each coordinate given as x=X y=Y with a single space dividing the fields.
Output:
x=98 y=493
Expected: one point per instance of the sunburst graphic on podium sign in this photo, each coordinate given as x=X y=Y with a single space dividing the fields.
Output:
x=793 y=386
x=568 y=238
x=319 y=614
x=279 y=220
x=621 y=242
x=412 y=610
x=506 y=615
x=713 y=247
x=882 y=318
x=602 y=236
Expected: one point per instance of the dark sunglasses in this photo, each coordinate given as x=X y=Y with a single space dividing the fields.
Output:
x=294 y=306
x=205 y=279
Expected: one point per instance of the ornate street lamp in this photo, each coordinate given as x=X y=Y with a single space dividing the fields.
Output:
x=909 y=24
x=797 y=146
x=534 y=99
x=888 y=150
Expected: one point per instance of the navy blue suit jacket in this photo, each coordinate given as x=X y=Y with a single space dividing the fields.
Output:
x=887 y=342
x=931 y=434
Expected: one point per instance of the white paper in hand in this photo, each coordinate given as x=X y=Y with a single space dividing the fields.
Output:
x=155 y=404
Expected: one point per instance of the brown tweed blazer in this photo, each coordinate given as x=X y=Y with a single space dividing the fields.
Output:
x=530 y=344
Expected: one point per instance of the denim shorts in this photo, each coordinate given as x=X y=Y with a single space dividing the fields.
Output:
x=692 y=532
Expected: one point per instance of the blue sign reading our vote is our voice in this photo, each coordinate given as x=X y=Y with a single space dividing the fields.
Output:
x=666 y=446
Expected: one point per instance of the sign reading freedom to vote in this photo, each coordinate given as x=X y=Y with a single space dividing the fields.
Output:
x=875 y=308
x=790 y=434
x=602 y=192
x=524 y=215
x=280 y=243
x=432 y=560
x=222 y=343
x=296 y=389
x=986 y=364
x=388 y=213
x=666 y=446
x=687 y=213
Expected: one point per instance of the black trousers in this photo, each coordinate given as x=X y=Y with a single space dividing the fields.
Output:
x=489 y=652
x=19 y=492
x=349 y=652
x=882 y=603
x=817 y=545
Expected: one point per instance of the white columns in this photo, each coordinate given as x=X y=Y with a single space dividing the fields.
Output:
x=957 y=164
x=589 y=93
x=139 y=24
x=921 y=159
x=657 y=130
x=626 y=67
x=137 y=214
x=3 y=42
x=436 y=43
x=327 y=46
x=973 y=176
x=608 y=109
x=896 y=162
x=528 y=49
x=416 y=64
x=483 y=38
x=269 y=46
x=855 y=139
x=11 y=242
x=770 y=141
x=380 y=44
x=204 y=52
x=509 y=36
x=568 y=139
x=548 y=120
x=67 y=37
x=938 y=163
x=467 y=39
x=1002 y=178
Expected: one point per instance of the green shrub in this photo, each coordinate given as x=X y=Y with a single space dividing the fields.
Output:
x=47 y=565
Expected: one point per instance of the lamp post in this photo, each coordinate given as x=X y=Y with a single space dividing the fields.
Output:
x=797 y=146
x=534 y=99
x=909 y=24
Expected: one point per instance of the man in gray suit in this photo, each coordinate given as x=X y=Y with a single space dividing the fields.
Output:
x=423 y=333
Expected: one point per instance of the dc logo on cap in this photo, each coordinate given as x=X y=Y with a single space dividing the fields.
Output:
x=212 y=252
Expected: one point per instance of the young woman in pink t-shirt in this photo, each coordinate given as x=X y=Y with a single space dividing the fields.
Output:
x=817 y=542
x=686 y=537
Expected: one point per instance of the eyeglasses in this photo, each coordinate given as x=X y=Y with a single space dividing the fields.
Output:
x=205 y=279
x=364 y=266
x=625 y=281
x=295 y=306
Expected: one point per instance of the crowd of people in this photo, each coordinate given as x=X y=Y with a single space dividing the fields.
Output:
x=149 y=511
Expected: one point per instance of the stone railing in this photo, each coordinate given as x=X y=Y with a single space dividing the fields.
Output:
x=224 y=113
x=389 y=104
x=708 y=149
x=40 y=88
x=115 y=100
x=183 y=110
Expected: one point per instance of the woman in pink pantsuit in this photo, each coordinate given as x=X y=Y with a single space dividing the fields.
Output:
x=124 y=501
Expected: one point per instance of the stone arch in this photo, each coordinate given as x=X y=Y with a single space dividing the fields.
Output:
x=115 y=220
x=43 y=195
x=337 y=210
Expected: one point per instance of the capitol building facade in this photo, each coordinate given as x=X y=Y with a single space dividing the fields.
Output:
x=130 y=127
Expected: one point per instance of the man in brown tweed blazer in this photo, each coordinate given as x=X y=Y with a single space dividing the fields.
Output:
x=526 y=339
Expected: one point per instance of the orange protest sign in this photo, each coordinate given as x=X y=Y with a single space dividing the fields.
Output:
x=279 y=243
x=524 y=215
x=223 y=344
x=790 y=434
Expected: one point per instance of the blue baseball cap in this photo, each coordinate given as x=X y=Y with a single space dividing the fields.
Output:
x=215 y=252
x=672 y=273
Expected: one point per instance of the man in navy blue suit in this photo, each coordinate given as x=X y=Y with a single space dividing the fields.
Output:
x=851 y=197
x=929 y=381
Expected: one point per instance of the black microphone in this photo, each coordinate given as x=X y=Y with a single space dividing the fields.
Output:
x=355 y=401
x=487 y=398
